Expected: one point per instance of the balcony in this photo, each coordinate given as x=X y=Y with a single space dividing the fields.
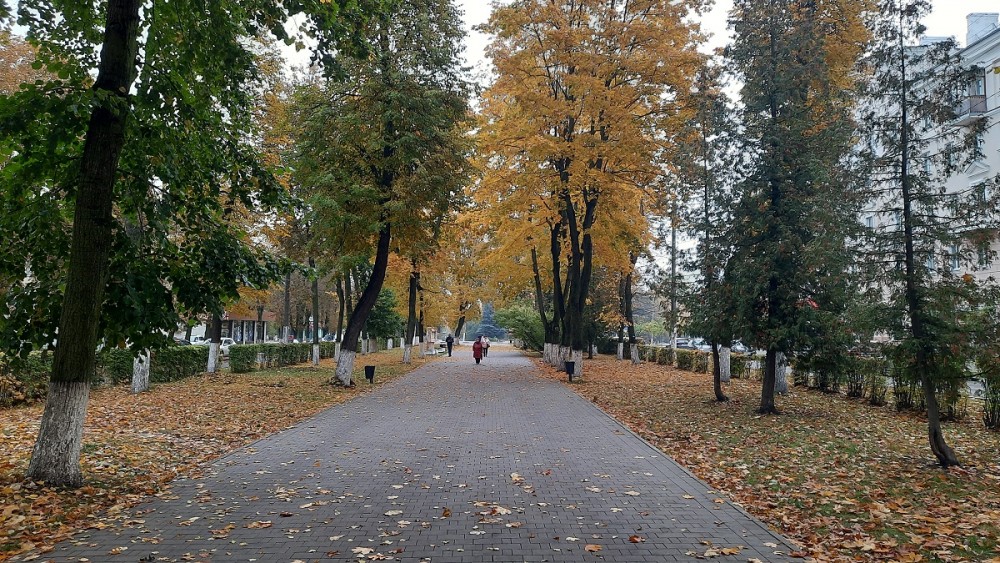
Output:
x=971 y=109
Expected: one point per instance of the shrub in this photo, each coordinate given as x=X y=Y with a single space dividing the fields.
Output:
x=739 y=365
x=177 y=362
x=854 y=377
x=24 y=380
x=685 y=359
x=243 y=357
x=875 y=372
x=114 y=366
x=701 y=361
x=991 y=400
x=665 y=356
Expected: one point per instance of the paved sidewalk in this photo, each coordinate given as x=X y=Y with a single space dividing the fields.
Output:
x=452 y=463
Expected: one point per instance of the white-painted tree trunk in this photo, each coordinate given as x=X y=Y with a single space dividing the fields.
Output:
x=213 y=357
x=56 y=457
x=725 y=364
x=407 y=354
x=373 y=346
x=336 y=351
x=345 y=367
x=140 y=373
x=634 y=353
x=576 y=356
x=621 y=351
x=315 y=354
x=781 y=374
x=388 y=344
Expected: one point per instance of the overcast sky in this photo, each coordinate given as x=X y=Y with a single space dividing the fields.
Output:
x=947 y=19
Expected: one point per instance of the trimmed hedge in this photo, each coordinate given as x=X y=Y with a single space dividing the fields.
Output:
x=24 y=380
x=665 y=356
x=176 y=362
x=685 y=359
x=244 y=358
x=739 y=365
x=701 y=361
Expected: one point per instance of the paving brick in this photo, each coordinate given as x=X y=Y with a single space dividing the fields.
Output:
x=529 y=471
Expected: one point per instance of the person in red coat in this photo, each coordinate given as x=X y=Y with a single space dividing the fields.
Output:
x=477 y=349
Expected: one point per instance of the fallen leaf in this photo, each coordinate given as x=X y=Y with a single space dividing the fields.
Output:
x=592 y=547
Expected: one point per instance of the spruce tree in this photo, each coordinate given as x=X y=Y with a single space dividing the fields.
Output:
x=921 y=237
x=795 y=58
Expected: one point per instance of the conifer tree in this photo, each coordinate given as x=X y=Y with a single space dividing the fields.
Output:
x=922 y=240
x=795 y=57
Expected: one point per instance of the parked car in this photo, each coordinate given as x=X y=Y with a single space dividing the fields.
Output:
x=329 y=337
x=700 y=344
x=685 y=344
x=739 y=347
x=181 y=342
x=224 y=345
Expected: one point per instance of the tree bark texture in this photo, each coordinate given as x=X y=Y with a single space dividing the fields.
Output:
x=340 y=309
x=215 y=337
x=717 y=375
x=315 y=312
x=345 y=366
x=140 y=373
x=767 y=385
x=56 y=456
x=725 y=364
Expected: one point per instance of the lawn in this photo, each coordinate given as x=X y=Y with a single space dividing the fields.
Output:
x=134 y=445
x=845 y=480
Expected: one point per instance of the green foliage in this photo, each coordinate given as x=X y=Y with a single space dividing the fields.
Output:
x=177 y=362
x=523 y=323
x=188 y=168
x=739 y=365
x=665 y=356
x=24 y=380
x=244 y=358
x=384 y=321
x=686 y=359
x=115 y=366
x=701 y=361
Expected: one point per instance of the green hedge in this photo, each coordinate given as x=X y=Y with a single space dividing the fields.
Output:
x=739 y=365
x=177 y=362
x=685 y=359
x=243 y=357
x=701 y=361
x=665 y=356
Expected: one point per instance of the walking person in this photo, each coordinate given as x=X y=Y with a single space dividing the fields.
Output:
x=477 y=349
x=450 y=341
x=486 y=346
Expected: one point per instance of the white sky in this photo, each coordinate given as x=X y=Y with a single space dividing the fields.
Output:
x=947 y=19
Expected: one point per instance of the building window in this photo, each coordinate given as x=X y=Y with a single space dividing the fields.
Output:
x=930 y=261
x=954 y=258
x=870 y=221
x=983 y=256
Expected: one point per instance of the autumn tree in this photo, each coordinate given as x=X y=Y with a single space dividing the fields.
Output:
x=582 y=88
x=383 y=148
x=117 y=181
x=923 y=240
x=795 y=58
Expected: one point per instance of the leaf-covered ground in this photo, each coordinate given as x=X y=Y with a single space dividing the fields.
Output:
x=848 y=481
x=134 y=446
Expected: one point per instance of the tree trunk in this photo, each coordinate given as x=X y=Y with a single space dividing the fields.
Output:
x=767 y=386
x=315 y=313
x=717 y=375
x=140 y=373
x=725 y=364
x=340 y=309
x=187 y=333
x=781 y=374
x=349 y=348
x=56 y=457
x=411 y=316
x=286 y=327
x=259 y=327
x=213 y=348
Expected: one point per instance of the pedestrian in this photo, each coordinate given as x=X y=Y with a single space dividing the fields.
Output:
x=486 y=346
x=477 y=349
x=450 y=341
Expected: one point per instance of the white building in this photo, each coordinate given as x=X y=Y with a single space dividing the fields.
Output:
x=982 y=50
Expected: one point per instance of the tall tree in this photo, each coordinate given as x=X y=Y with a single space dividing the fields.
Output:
x=581 y=89
x=704 y=168
x=922 y=236
x=795 y=57
x=165 y=148
x=383 y=149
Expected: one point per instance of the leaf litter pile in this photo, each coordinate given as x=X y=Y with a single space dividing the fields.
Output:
x=134 y=445
x=845 y=480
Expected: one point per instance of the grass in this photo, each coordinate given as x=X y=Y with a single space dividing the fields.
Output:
x=845 y=480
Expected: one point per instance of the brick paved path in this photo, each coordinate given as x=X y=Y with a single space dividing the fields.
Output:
x=452 y=463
